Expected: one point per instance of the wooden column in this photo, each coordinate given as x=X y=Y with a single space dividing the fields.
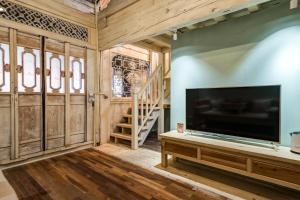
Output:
x=67 y=93
x=135 y=123
x=13 y=92
x=161 y=102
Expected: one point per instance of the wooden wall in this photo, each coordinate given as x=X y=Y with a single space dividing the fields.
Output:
x=133 y=21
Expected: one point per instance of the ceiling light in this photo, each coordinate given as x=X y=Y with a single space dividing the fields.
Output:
x=293 y=4
x=175 y=35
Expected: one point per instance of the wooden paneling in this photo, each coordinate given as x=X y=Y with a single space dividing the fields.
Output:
x=77 y=138
x=5 y=124
x=4 y=34
x=181 y=149
x=55 y=121
x=28 y=40
x=4 y=153
x=29 y=123
x=5 y=139
x=157 y=17
x=224 y=158
x=77 y=52
x=77 y=119
x=277 y=171
x=55 y=143
x=30 y=148
x=55 y=46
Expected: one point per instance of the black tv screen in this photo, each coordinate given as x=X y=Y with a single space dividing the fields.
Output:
x=252 y=112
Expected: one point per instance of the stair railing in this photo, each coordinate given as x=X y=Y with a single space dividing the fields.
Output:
x=145 y=101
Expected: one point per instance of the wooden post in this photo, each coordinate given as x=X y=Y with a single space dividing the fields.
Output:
x=67 y=93
x=13 y=92
x=135 y=122
x=161 y=102
x=164 y=156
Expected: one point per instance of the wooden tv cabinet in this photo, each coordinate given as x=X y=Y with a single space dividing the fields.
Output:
x=276 y=166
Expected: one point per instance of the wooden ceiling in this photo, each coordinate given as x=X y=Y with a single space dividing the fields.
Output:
x=86 y=6
x=164 y=40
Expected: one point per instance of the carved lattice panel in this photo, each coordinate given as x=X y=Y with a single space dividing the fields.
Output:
x=77 y=75
x=37 y=19
x=29 y=73
x=4 y=68
x=55 y=73
x=129 y=74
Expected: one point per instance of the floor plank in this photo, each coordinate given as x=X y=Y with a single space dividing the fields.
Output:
x=90 y=174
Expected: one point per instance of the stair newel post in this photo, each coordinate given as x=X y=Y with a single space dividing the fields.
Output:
x=135 y=122
x=161 y=101
x=147 y=106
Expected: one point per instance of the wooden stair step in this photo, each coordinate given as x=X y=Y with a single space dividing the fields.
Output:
x=130 y=116
x=144 y=107
x=121 y=136
x=125 y=125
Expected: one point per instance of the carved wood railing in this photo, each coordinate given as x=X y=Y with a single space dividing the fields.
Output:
x=145 y=102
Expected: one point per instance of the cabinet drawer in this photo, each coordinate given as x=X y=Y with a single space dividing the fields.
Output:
x=181 y=149
x=275 y=171
x=224 y=158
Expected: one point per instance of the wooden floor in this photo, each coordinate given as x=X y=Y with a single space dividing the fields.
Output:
x=89 y=174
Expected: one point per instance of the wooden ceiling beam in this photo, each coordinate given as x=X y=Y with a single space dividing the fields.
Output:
x=148 y=46
x=145 y=18
x=114 y=7
x=161 y=41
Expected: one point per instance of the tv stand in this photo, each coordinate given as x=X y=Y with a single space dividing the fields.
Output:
x=275 y=166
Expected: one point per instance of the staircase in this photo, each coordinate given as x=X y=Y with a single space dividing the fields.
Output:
x=146 y=109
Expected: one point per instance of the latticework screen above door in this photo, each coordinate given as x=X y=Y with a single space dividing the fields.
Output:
x=37 y=19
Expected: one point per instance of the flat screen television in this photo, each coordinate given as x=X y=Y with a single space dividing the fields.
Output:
x=252 y=112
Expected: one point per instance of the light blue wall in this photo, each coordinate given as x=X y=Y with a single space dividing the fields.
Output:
x=258 y=49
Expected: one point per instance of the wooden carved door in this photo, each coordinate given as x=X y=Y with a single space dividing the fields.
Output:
x=6 y=96
x=78 y=99
x=29 y=101
x=43 y=95
x=51 y=95
x=55 y=99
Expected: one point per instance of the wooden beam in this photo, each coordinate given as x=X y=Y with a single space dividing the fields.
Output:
x=147 y=46
x=81 y=5
x=115 y=6
x=161 y=41
x=145 y=18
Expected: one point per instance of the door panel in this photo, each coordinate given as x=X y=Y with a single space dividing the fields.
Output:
x=55 y=94
x=6 y=96
x=29 y=94
x=78 y=100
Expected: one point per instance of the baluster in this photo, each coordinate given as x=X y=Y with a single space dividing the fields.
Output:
x=142 y=109
x=147 y=107
x=150 y=92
